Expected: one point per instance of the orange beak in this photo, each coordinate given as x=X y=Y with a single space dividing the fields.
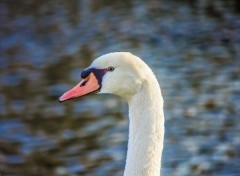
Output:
x=86 y=86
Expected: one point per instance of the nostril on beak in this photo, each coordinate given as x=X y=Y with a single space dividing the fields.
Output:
x=83 y=84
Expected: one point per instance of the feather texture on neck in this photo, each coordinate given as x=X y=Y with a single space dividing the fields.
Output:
x=146 y=131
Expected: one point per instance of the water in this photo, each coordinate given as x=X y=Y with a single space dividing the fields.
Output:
x=193 y=48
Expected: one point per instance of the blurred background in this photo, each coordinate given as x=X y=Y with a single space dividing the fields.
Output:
x=193 y=46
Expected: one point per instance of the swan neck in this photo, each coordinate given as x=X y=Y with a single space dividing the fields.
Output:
x=146 y=131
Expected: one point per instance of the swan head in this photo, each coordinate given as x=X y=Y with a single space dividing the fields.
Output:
x=119 y=73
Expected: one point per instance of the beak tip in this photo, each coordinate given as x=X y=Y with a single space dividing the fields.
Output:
x=61 y=99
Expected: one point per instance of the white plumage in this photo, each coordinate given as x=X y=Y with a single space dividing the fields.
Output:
x=133 y=80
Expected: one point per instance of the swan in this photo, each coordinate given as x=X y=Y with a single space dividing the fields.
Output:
x=126 y=75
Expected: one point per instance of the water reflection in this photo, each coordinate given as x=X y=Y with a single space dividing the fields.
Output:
x=192 y=46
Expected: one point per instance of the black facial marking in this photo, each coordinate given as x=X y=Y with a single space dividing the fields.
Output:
x=98 y=73
x=86 y=72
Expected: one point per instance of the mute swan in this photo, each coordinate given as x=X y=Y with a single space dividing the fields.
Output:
x=126 y=75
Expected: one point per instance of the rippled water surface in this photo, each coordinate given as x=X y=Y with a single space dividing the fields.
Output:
x=192 y=46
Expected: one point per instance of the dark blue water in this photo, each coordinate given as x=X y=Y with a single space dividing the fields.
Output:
x=193 y=48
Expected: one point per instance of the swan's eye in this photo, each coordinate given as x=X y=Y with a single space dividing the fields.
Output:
x=110 y=68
